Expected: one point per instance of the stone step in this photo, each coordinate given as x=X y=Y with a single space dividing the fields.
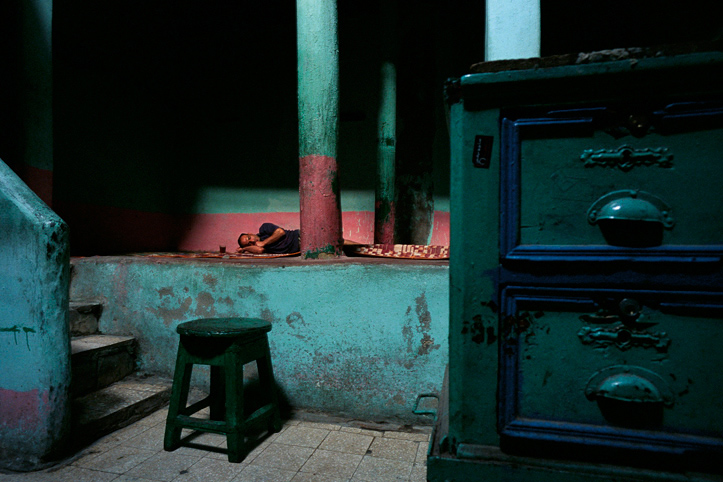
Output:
x=83 y=317
x=116 y=406
x=100 y=360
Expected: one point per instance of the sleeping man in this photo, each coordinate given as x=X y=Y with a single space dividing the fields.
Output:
x=270 y=239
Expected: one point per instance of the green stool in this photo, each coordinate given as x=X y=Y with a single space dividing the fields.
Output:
x=226 y=344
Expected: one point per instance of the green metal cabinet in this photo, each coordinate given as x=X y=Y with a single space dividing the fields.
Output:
x=586 y=315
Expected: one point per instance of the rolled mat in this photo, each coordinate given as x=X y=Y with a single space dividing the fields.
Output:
x=404 y=251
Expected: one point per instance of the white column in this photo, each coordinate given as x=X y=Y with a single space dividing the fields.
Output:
x=512 y=29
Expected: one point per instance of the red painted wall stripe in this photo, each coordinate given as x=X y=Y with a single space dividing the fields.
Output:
x=440 y=229
x=97 y=230
x=22 y=409
x=320 y=212
x=40 y=181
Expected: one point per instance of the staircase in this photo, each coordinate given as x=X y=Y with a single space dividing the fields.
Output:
x=107 y=390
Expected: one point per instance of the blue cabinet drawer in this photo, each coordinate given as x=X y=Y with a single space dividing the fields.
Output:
x=625 y=369
x=607 y=181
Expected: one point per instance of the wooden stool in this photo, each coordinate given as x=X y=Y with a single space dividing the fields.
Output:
x=226 y=344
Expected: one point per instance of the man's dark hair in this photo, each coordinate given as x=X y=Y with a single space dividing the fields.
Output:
x=239 y=238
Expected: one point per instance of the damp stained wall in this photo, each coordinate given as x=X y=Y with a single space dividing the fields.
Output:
x=34 y=338
x=360 y=339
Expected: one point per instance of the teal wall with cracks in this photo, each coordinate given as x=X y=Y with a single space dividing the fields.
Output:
x=34 y=338
x=356 y=339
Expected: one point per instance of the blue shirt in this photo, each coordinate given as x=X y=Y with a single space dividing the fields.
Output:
x=287 y=244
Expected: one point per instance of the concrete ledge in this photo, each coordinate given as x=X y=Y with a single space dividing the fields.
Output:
x=358 y=337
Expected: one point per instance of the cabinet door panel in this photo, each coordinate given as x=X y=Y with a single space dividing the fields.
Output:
x=629 y=364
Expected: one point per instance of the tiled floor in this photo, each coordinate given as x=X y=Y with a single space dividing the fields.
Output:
x=303 y=451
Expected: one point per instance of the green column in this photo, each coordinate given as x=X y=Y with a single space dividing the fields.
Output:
x=318 y=76
x=384 y=206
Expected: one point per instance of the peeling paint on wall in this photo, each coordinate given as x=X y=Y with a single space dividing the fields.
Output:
x=167 y=291
x=205 y=305
x=294 y=318
x=169 y=315
x=425 y=344
x=210 y=280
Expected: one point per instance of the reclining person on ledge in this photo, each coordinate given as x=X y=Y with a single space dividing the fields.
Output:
x=270 y=239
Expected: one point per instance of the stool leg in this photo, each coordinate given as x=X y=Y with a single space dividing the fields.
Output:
x=235 y=438
x=268 y=384
x=179 y=400
x=218 y=393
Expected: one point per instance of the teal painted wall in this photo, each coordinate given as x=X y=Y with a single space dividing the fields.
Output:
x=34 y=338
x=361 y=339
x=34 y=247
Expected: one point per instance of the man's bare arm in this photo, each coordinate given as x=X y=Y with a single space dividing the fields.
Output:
x=251 y=249
x=275 y=236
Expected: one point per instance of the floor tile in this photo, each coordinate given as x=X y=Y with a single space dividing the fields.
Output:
x=419 y=472
x=129 y=432
x=302 y=436
x=413 y=436
x=77 y=474
x=29 y=477
x=375 y=469
x=336 y=464
x=92 y=452
x=151 y=439
x=210 y=470
x=252 y=473
x=255 y=451
x=323 y=426
x=200 y=443
x=395 y=449
x=118 y=460
x=304 y=477
x=422 y=453
x=163 y=466
x=302 y=451
x=155 y=418
x=351 y=443
x=289 y=457
x=132 y=478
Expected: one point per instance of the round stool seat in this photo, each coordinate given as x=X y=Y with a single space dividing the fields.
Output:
x=224 y=327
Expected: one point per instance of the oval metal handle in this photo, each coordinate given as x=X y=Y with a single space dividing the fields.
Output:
x=631 y=205
x=629 y=384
